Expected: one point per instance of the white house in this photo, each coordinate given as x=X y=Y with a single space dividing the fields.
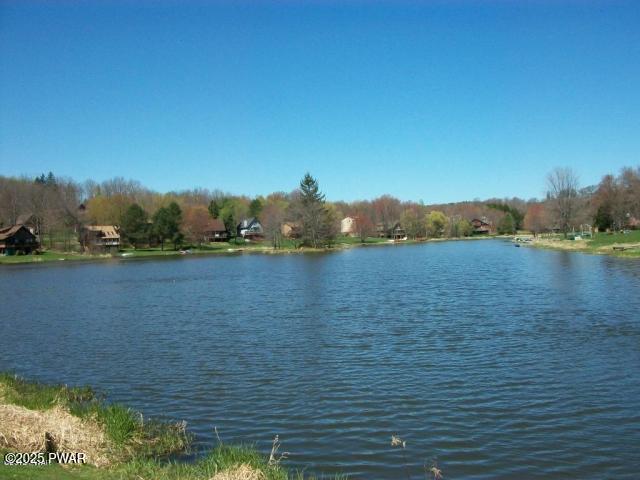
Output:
x=348 y=226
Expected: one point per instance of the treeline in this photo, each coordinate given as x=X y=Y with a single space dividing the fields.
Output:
x=61 y=206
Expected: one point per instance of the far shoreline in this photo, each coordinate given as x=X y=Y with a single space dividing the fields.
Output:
x=54 y=257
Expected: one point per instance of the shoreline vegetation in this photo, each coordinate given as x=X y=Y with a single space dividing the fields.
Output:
x=626 y=245
x=117 y=442
x=221 y=248
x=55 y=219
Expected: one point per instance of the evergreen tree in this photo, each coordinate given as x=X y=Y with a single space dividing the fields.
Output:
x=255 y=207
x=603 y=219
x=166 y=224
x=516 y=215
x=134 y=225
x=312 y=212
x=229 y=220
x=214 y=209
x=507 y=225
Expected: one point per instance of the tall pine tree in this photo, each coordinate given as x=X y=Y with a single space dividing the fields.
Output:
x=312 y=211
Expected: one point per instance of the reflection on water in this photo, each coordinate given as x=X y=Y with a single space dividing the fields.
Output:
x=500 y=362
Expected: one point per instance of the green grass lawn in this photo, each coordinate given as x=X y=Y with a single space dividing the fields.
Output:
x=601 y=243
x=356 y=240
x=604 y=239
x=47 y=256
x=210 y=248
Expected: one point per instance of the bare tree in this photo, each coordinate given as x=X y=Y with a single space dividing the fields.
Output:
x=364 y=226
x=562 y=194
x=535 y=218
x=629 y=181
x=195 y=223
x=272 y=217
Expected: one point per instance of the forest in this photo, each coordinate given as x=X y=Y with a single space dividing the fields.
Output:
x=62 y=206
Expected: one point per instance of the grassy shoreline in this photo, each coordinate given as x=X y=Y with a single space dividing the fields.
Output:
x=288 y=248
x=618 y=244
x=117 y=441
x=626 y=246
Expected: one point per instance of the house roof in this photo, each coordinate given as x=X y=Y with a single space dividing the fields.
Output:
x=481 y=222
x=247 y=222
x=7 y=232
x=107 y=231
x=24 y=218
x=215 y=225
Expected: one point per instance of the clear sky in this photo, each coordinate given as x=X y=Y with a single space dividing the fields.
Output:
x=439 y=101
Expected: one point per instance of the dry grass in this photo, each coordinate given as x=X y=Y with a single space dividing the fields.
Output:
x=560 y=244
x=51 y=430
x=241 y=472
x=36 y=417
x=626 y=246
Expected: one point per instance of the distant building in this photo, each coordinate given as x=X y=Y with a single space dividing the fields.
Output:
x=394 y=231
x=17 y=239
x=348 y=227
x=291 y=229
x=216 y=231
x=632 y=223
x=104 y=238
x=250 y=229
x=481 y=226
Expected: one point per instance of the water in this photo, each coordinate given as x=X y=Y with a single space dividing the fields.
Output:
x=500 y=362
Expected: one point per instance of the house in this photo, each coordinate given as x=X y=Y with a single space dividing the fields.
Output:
x=216 y=231
x=17 y=239
x=30 y=221
x=632 y=223
x=393 y=231
x=397 y=232
x=291 y=229
x=250 y=228
x=348 y=227
x=100 y=238
x=480 y=226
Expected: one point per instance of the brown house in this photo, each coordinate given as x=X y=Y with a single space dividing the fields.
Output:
x=397 y=232
x=17 y=240
x=216 y=231
x=100 y=238
x=393 y=231
x=480 y=227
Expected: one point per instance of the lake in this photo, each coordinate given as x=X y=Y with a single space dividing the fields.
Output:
x=499 y=362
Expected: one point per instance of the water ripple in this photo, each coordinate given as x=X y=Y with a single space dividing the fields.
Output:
x=499 y=362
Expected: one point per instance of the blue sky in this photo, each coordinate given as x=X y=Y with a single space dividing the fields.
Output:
x=439 y=101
